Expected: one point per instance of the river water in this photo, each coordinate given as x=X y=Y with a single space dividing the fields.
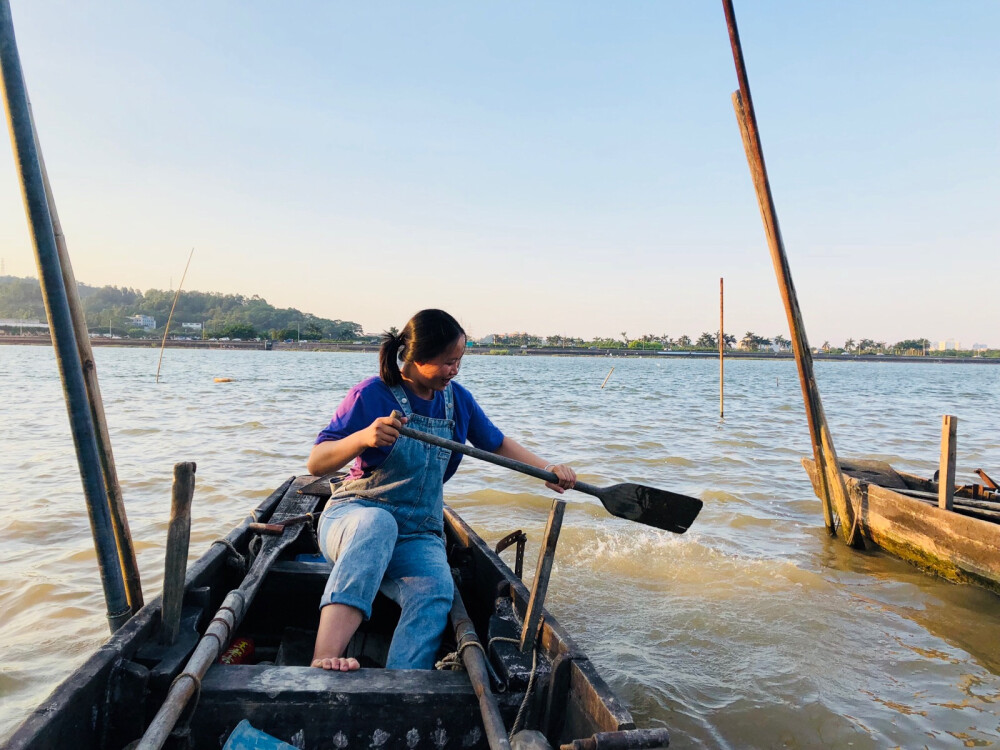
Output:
x=754 y=629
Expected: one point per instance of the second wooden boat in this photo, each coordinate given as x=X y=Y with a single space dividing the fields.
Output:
x=899 y=512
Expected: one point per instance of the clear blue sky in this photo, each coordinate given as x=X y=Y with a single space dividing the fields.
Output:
x=570 y=167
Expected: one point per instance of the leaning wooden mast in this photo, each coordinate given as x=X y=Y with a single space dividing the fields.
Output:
x=834 y=492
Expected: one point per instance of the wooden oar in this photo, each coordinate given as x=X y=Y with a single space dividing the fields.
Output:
x=214 y=641
x=474 y=659
x=635 y=502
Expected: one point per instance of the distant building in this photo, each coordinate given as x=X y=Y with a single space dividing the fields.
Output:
x=191 y=326
x=980 y=347
x=147 y=322
x=947 y=346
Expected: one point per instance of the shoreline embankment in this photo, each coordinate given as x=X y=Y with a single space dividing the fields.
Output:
x=552 y=351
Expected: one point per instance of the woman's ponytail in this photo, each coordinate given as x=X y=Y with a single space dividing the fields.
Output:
x=388 y=359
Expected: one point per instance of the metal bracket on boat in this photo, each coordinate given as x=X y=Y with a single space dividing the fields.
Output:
x=521 y=539
x=541 y=583
x=627 y=739
x=990 y=484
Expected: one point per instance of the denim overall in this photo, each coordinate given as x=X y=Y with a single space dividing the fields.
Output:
x=385 y=531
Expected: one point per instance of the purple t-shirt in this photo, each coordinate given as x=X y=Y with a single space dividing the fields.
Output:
x=371 y=399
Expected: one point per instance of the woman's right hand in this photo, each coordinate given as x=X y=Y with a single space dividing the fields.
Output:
x=382 y=432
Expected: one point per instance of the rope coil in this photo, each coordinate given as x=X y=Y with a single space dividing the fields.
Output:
x=235 y=559
x=453 y=661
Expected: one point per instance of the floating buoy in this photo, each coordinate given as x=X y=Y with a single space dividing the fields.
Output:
x=223 y=380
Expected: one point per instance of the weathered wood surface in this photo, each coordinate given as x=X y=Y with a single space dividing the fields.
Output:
x=949 y=437
x=949 y=544
x=175 y=560
x=335 y=710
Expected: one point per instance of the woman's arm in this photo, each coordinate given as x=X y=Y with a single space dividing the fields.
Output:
x=510 y=448
x=332 y=455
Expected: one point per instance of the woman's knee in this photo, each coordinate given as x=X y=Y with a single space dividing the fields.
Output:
x=374 y=529
x=374 y=523
x=436 y=593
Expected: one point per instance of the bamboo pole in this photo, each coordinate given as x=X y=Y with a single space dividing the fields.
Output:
x=607 y=378
x=722 y=346
x=61 y=326
x=166 y=330
x=116 y=502
x=834 y=492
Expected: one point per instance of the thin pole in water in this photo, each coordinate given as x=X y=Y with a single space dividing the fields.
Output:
x=60 y=321
x=722 y=346
x=166 y=330
x=607 y=378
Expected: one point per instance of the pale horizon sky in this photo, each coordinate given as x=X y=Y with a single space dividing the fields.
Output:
x=571 y=168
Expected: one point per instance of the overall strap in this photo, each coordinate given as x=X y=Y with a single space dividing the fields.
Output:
x=449 y=403
x=402 y=400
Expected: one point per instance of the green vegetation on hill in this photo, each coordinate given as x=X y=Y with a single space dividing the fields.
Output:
x=109 y=308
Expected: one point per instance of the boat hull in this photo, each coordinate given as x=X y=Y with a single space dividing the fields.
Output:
x=111 y=699
x=953 y=546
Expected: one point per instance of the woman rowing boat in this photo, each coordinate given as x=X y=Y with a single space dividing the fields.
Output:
x=382 y=528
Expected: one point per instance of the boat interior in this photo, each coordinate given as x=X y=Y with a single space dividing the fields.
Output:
x=974 y=500
x=275 y=688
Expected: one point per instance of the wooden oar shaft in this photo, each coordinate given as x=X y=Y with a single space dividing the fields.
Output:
x=213 y=643
x=493 y=458
x=634 y=502
x=475 y=665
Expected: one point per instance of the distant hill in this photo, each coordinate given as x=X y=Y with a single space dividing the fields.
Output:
x=220 y=314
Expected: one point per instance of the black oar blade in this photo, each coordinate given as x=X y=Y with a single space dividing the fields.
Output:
x=658 y=508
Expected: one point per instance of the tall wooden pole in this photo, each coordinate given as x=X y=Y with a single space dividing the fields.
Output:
x=116 y=502
x=722 y=346
x=834 y=492
x=57 y=309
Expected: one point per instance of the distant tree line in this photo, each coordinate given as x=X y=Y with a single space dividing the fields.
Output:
x=108 y=309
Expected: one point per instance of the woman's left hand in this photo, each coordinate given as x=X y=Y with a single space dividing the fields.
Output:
x=567 y=478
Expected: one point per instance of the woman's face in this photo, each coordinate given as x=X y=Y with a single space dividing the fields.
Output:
x=436 y=373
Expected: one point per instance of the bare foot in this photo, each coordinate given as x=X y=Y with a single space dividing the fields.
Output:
x=337 y=664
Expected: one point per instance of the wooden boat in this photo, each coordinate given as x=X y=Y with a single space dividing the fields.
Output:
x=109 y=702
x=899 y=512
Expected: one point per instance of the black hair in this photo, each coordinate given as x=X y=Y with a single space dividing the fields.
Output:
x=426 y=335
